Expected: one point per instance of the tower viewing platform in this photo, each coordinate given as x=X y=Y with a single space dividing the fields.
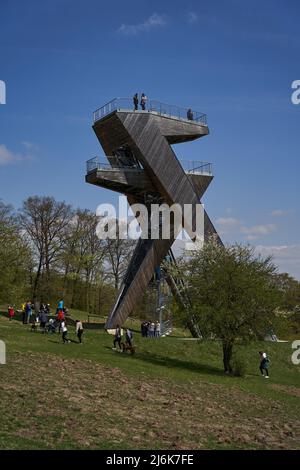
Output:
x=153 y=107
x=142 y=164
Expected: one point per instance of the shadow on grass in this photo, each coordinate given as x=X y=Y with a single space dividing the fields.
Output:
x=173 y=363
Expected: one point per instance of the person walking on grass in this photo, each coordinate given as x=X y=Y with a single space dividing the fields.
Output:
x=264 y=364
x=79 y=330
x=129 y=336
x=118 y=336
x=64 y=330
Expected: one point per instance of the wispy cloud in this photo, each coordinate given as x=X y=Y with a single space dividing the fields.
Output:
x=192 y=17
x=154 y=21
x=30 y=146
x=256 y=231
x=279 y=213
x=7 y=157
x=226 y=224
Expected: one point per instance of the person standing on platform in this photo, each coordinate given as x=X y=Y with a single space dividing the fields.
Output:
x=190 y=114
x=143 y=101
x=136 y=102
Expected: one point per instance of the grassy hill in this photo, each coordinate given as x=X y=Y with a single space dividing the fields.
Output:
x=172 y=394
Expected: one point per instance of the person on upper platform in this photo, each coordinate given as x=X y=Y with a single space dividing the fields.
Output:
x=190 y=114
x=143 y=101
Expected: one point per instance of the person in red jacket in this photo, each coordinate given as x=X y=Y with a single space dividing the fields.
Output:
x=60 y=319
x=11 y=312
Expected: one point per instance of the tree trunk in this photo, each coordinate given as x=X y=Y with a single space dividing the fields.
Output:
x=37 y=278
x=227 y=355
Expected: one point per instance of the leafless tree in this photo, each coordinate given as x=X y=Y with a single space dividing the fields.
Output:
x=45 y=222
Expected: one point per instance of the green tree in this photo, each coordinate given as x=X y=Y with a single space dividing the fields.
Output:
x=290 y=289
x=233 y=293
x=15 y=259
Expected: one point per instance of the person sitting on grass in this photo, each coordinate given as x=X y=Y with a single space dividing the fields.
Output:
x=118 y=336
x=264 y=364
x=79 y=330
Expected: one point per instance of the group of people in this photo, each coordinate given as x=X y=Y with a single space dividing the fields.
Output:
x=143 y=101
x=41 y=319
x=61 y=313
x=78 y=330
x=118 y=337
x=150 y=329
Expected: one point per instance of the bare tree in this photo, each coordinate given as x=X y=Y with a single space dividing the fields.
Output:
x=118 y=254
x=83 y=252
x=45 y=222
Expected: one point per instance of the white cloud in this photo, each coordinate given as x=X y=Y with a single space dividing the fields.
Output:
x=154 y=21
x=192 y=17
x=228 y=210
x=256 y=231
x=286 y=257
x=226 y=224
x=279 y=213
x=30 y=145
x=7 y=157
x=227 y=221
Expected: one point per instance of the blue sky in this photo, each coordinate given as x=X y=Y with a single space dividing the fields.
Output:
x=233 y=60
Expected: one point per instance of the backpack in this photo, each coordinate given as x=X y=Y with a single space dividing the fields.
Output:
x=267 y=361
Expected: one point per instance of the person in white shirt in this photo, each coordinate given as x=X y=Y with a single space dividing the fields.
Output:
x=64 y=330
x=143 y=101
x=79 y=330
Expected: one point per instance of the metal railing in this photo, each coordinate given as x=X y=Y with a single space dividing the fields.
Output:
x=153 y=106
x=95 y=164
x=197 y=167
x=189 y=166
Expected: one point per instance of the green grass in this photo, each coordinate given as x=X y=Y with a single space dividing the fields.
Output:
x=171 y=394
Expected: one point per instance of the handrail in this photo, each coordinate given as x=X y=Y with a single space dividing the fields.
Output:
x=189 y=166
x=152 y=106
